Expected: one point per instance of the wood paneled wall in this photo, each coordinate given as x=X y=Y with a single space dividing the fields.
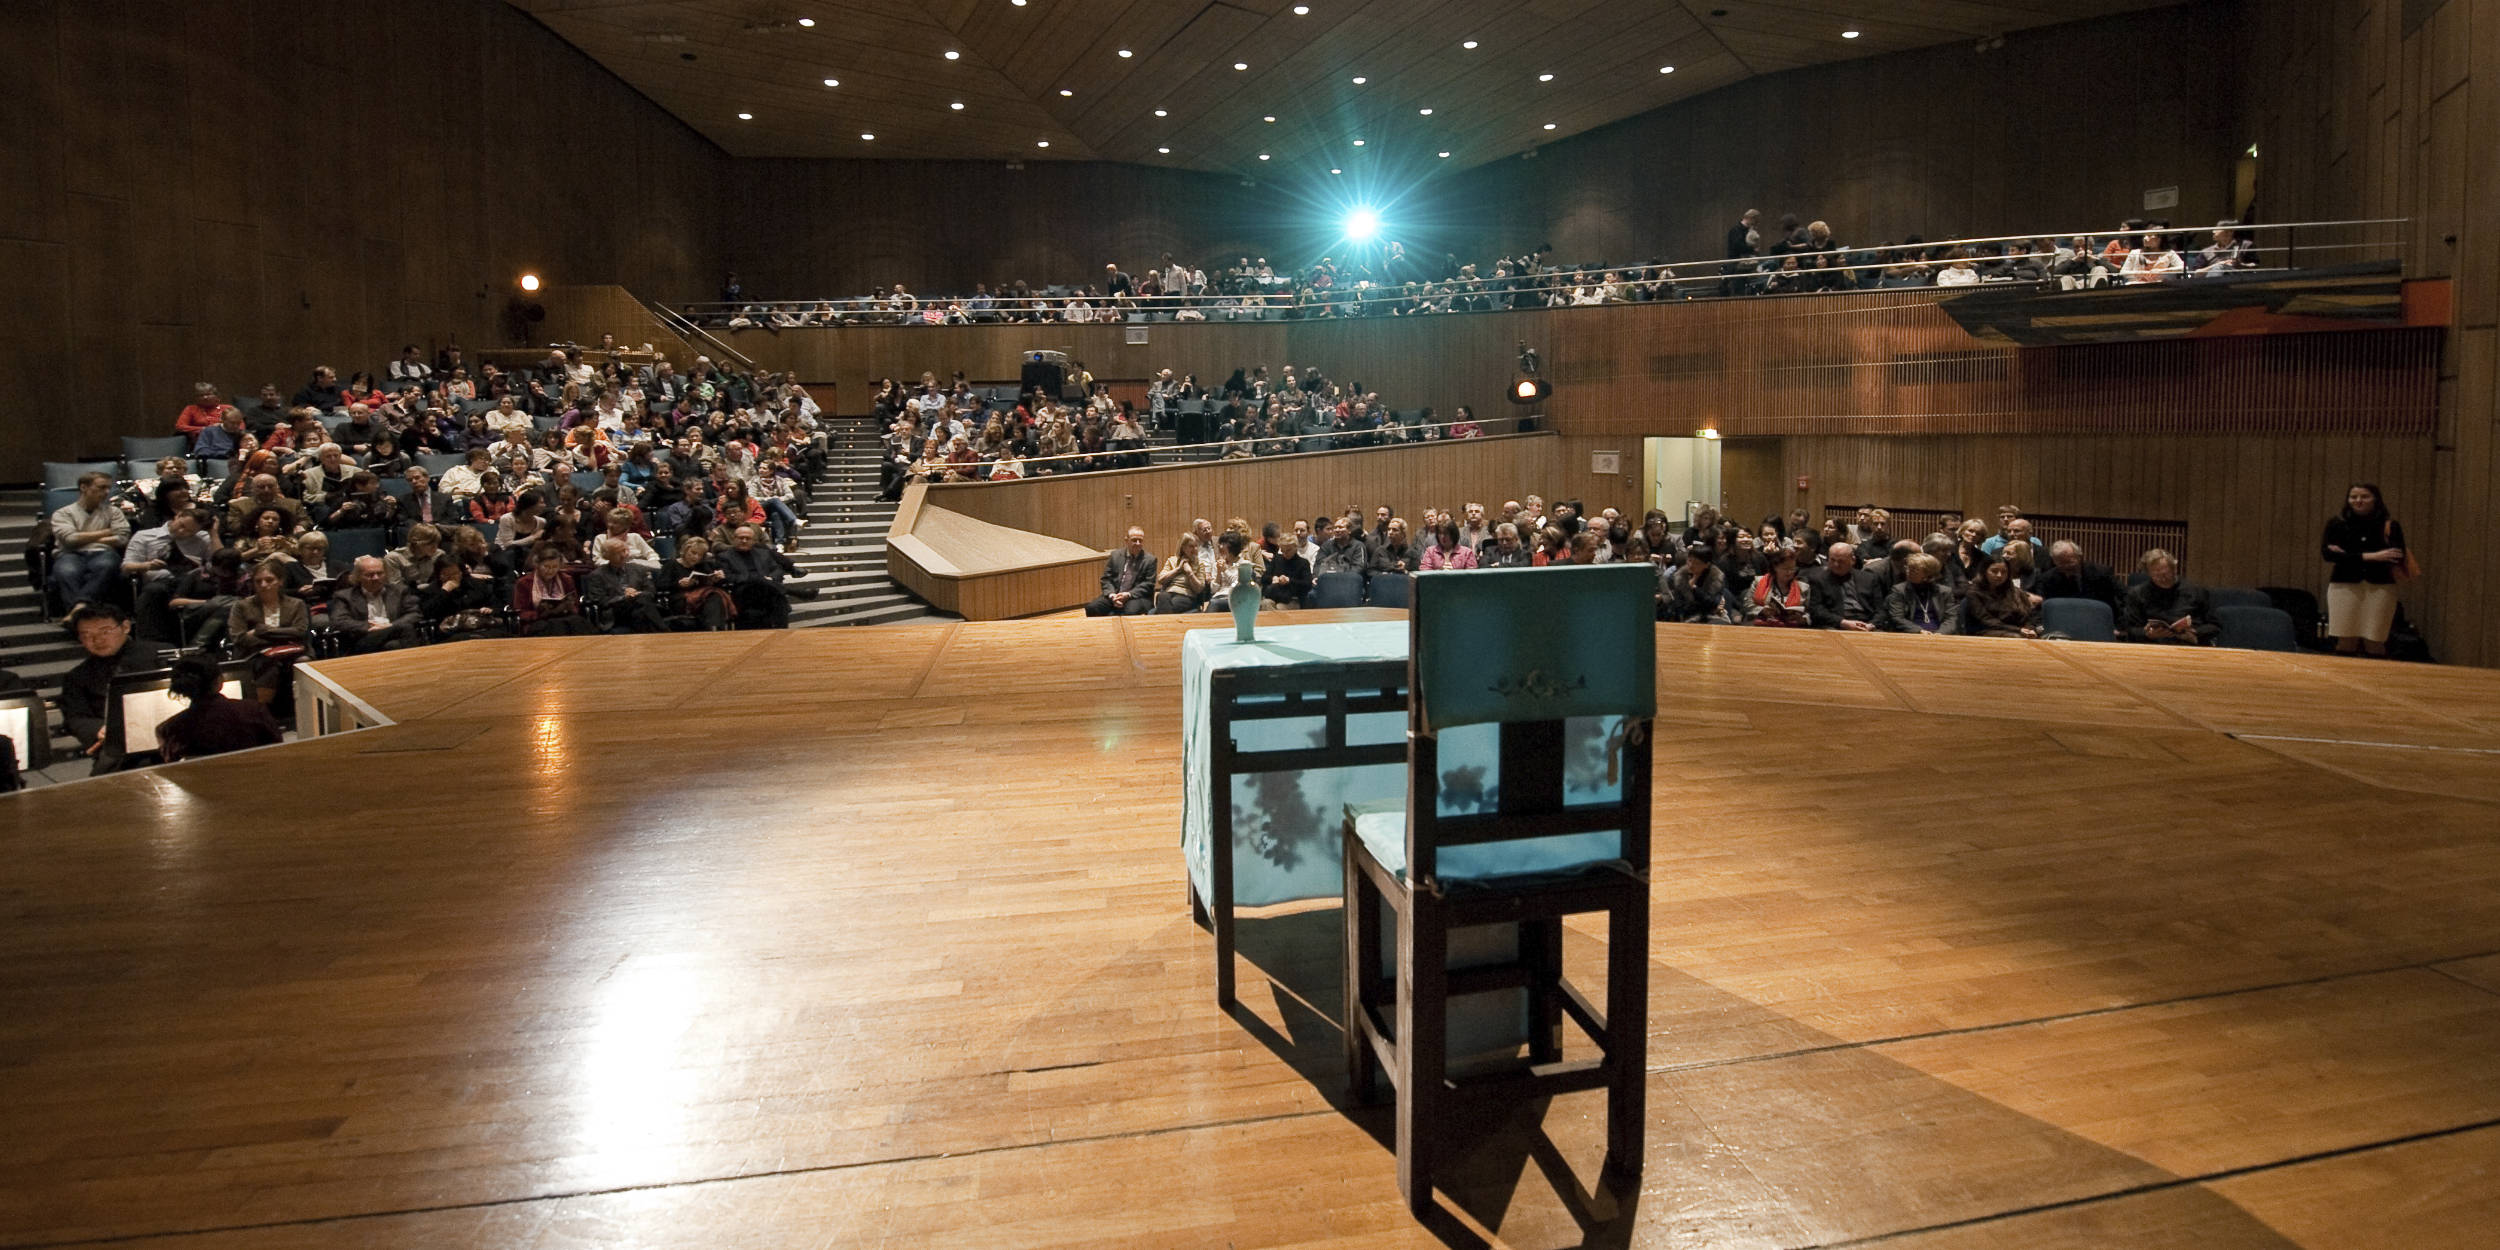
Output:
x=236 y=190
x=2062 y=128
x=1096 y=509
x=1894 y=363
x=2388 y=108
x=2253 y=506
x=811 y=229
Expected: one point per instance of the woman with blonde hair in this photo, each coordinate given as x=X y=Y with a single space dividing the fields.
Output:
x=1181 y=585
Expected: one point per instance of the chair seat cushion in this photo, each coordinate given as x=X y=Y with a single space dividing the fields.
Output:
x=1381 y=827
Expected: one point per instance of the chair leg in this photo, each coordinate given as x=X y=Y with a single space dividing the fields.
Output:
x=1540 y=953
x=1627 y=1041
x=1422 y=1045
x=1361 y=958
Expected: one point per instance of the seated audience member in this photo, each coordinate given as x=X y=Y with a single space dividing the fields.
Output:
x=1920 y=603
x=269 y=625
x=264 y=493
x=545 y=600
x=224 y=440
x=622 y=589
x=755 y=571
x=2015 y=529
x=213 y=724
x=1505 y=551
x=2226 y=253
x=1288 y=571
x=1994 y=604
x=1779 y=597
x=2165 y=607
x=412 y=566
x=1342 y=552
x=373 y=615
x=2070 y=576
x=1128 y=577
x=460 y=481
x=1181 y=584
x=88 y=535
x=202 y=597
x=1225 y=575
x=322 y=392
x=309 y=573
x=103 y=631
x=1449 y=549
x=1890 y=567
x=205 y=412
x=1394 y=552
x=159 y=557
x=1840 y=595
x=1696 y=590
x=362 y=505
x=2152 y=260
x=457 y=599
x=697 y=586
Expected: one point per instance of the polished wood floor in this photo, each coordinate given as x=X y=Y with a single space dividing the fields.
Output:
x=878 y=937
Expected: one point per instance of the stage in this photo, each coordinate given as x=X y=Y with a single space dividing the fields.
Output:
x=879 y=937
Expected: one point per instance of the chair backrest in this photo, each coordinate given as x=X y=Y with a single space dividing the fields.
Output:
x=2239 y=597
x=58 y=473
x=2256 y=629
x=1392 y=590
x=2084 y=620
x=56 y=498
x=155 y=448
x=347 y=544
x=1530 y=697
x=397 y=488
x=143 y=469
x=437 y=464
x=664 y=546
x=1336 y=590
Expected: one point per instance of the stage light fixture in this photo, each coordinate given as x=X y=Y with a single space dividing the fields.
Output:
x=1362 y=223
x=1529 y=388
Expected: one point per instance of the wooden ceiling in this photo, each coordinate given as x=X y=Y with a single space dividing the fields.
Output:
x=1050 y=72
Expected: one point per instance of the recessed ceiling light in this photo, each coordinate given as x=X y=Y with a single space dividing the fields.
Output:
x=1065 y=92
x=1163 y=112
x=1359 y=80
x=1445 y=156
x=1165 y=151
x=868 y=138
x=833 y=82
x=1301 y=10
x=1042 y=144
x=1549 y=125
x=807 y=21
x=1848 y=34
x=1262 y=156
x=1545 y=78
x=1424 y=112
x=1018 y=3
x=953 y=55
x=1269 y=118
x=1470 y=45
x=1336 y=171
x=958 y=106
x=1241 y=65
x=1666 y=69
x=746 y=117
x=1358 y=143
x=1126 y=54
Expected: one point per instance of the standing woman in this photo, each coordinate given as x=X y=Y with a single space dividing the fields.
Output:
x=2364 y=550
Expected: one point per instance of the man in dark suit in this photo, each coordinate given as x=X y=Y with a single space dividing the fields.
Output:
x=623 y=591
x=86 y=691
x=2070 y=576
x=1840 y=595
x=1128 y=579
x=371 y=613
x=755 y=572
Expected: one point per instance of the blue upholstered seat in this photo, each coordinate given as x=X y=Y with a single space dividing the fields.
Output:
x=1382 y=829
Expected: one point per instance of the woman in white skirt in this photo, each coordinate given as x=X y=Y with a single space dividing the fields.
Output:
x=2365 y=550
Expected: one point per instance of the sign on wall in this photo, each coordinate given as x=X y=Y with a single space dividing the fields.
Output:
x=1605 y=463
x=2161 y=197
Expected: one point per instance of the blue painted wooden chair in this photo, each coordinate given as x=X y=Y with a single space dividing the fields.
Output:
x=1528 y=793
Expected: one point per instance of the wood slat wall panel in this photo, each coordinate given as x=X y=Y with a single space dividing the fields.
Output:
x=2253 y=506
x=2353 y=112
x=236 y=193
x=1097 y=508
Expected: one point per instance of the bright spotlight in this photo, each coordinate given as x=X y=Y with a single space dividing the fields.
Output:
x=1361 y=225
x=529 y=282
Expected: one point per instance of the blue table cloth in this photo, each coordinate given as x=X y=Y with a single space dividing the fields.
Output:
x=1288 y=840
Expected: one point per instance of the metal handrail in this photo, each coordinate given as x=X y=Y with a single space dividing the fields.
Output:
x=1295 y=298
x=688 y=330
x=1153 y=450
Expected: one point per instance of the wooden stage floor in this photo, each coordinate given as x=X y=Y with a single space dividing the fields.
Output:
x=878 y=937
